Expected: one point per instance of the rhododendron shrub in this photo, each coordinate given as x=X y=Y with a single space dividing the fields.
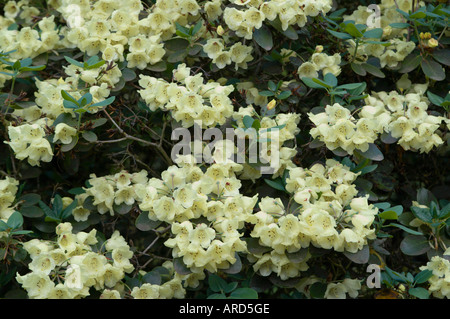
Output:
x=172 y=149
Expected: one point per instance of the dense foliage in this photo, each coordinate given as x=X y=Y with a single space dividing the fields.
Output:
x=344 y=104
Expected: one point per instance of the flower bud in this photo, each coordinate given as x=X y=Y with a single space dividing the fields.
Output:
x=319 y=49
x=271 y=104
x=432 y=43
x=220 y=30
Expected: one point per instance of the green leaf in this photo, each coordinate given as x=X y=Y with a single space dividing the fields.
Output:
x=399 y=25
x=68 y=210
x=373 y=70
x=423 y=214
x=180 y=266
x=312 y=84
x=277 y=184
x=445 y=212
x=406 y=229
x=74 y=62
x=351 y=86
x=419 y=292
x=330 y=79
x=90 y=136
x=244 y=293
x=418 y=15
x=254 y=247
x=263 y=36
x=216 y=283
x=351 y=29
x=284 y=95
x=3 y=226
x=266 y=93
x=442 y=56
x=388 y=215
x=143 y=223
x=373 y=153
x=248 y=121
x=32 y=212
x=32 y=68
x=230 y=287
x=15 y=221
x=66 y=96
x=423 y=276
x=435 y=99
x=176 y=44
x=358 y=69
x=396 y=275
x=413 y=245
x=57 y=204
x=360 y=257
x=197 y=27
x=47 y=211
x=340 y=35
x=433 y=70
x=410 y=63
x=30 y=199
x=374 y=33
x=272 y=86
x=317 y=290
x=106 y=102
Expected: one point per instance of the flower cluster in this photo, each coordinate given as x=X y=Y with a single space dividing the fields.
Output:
x=8 y=190
x=28 y=42
x=440 y=281
x=328 y=216
x=238 y=53
x=189 y=99
x=320 y=62
x=337 y=127
x=70 y=266
x=250 y=15
x=390 y=54
x=110 y=191
x=404 y=117
x=28 y=142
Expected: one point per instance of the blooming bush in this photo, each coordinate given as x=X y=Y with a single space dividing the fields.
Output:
x=224 y=149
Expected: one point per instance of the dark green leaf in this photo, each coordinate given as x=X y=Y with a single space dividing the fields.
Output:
x=32 y=212
x=317 y=290
x=442 y=56
x=180 y=267
x=374 y=33
x=90 y=136
x=423 y=276
x=216 y=283
x=143 y=223
x=373 y=70
x=360 y=257
x=15 y=221
x=413 y=245
x=340 y=35
x=277 y=184
x=419 y=292
x=244 y=293
x=410 y=63
x=406 y=229
x=423 y=214
x=263 y=36
x=74 y=62
x=433 y=70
